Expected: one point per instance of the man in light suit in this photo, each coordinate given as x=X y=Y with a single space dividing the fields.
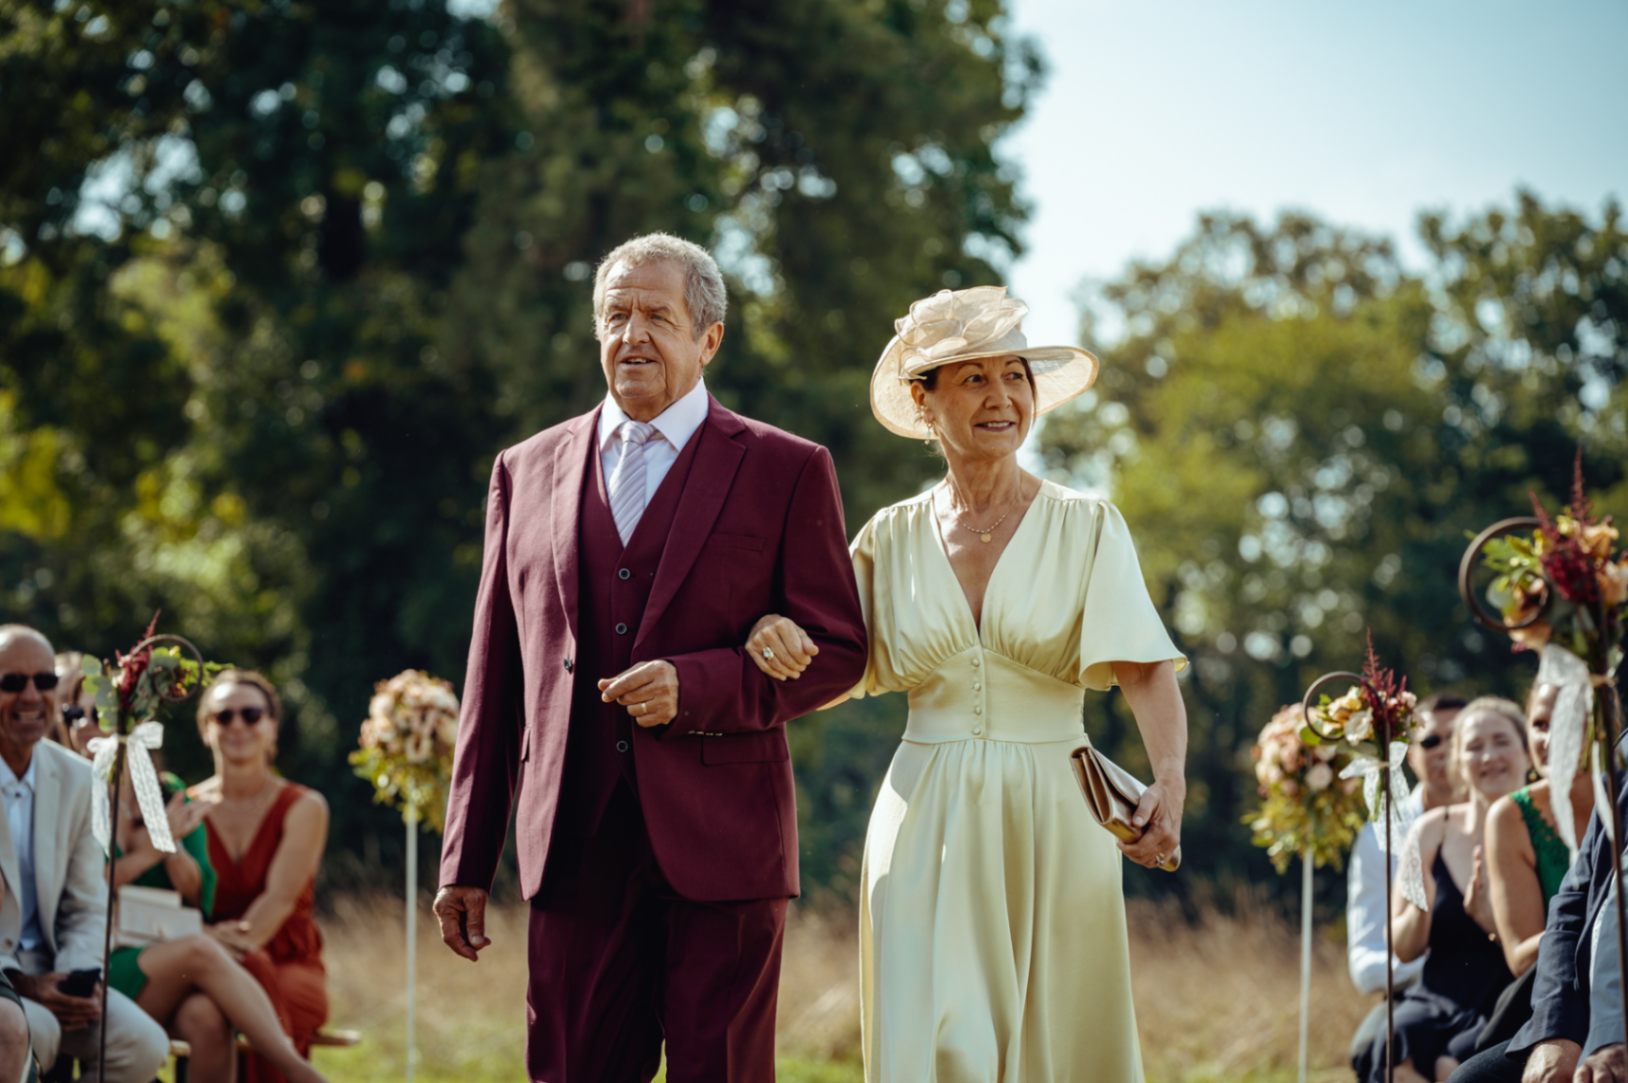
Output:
x=629 y=551
x=53 y=915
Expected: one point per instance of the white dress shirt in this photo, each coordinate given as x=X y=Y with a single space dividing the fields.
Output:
x=19 y=797
x=674 y=427
x=1365 y=905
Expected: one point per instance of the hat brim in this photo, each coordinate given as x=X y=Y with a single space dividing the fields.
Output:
x=1060 y=373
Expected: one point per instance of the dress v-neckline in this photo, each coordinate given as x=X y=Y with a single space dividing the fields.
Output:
x=254 y=836
x=976 y=619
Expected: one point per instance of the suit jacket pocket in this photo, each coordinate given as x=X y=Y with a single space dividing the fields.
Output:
x=736 y=541
x=767 y=747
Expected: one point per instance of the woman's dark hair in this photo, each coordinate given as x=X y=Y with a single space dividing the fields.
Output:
x=929 y=379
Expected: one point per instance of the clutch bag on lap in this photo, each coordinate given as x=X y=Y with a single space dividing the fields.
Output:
x=1112 y=794
x=147 y=914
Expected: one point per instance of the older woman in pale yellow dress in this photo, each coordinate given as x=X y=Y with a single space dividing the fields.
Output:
x=992 y=920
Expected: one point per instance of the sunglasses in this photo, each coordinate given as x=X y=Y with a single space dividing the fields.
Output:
x=1429 y=741
x=16 y=682
x=251 y=716
x=74 y=714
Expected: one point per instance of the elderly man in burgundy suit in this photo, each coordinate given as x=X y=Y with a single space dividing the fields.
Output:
x=629 y=551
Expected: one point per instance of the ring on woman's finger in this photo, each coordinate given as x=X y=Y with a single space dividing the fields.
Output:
x=768 y=653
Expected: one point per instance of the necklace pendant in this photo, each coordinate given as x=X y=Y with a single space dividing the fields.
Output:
x=986 y=538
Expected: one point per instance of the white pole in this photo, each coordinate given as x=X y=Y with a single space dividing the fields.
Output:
x=1305 y=958
x=412 y=935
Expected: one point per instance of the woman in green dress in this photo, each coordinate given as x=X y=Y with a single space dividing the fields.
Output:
x=1526 y=858
x=192 y=984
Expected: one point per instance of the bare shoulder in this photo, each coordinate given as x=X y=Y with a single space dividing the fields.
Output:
x=309 y=803
x=1504 y=825
x=1432 y=828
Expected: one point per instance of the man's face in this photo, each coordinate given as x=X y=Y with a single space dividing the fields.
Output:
x=650 y=350
x=1427 y=755
x=25 y=715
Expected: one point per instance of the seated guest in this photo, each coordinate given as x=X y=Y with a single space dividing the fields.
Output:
x=1526 y=858
x=76 y=719
x=1437 y=1020
x=1577 y=955
x=191 y=983
x=1367 y=872
x=53 y=916
x=266 y=837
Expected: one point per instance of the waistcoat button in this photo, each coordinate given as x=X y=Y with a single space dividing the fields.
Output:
x=621 y=629
x=621 y=746
x=623 y=573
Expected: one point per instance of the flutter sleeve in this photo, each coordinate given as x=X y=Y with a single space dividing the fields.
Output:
x=1118 y=622
x=881 y=627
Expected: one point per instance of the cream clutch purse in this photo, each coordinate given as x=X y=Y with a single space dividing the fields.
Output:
x=1112 y=793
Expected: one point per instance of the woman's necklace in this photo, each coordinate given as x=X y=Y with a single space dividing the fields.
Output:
x=987 y=534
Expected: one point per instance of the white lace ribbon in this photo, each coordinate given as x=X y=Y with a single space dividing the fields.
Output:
x=1372 y=772
x=1568 y=729
x=143 y=779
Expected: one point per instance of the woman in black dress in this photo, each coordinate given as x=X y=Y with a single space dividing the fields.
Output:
x=1437 y=1019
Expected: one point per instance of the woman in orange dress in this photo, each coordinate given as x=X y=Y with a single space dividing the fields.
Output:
x=266 y=837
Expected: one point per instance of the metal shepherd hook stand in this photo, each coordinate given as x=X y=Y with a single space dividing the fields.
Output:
x=122 y=728
x=1607 y=720
x=1382 y=734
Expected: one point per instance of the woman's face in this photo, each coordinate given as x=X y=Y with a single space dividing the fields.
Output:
x=980 y=410
x=80 y=722
x=1492 y=755
x=227 y=729
x=1540 y=708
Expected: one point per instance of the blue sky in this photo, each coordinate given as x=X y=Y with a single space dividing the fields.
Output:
x=1363 y=113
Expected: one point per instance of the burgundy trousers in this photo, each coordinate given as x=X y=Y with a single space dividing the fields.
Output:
x=621 y=964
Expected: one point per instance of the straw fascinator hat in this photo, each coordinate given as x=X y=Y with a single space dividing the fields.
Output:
x=966 y=325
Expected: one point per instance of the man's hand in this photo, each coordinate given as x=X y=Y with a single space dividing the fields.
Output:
x=1605 y=1065
x=1552 y=1061
x=462 y=913
x=71 y=1012
x=1159 y=816
x=649 y=691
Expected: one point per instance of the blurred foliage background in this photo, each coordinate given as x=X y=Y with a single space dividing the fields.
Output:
x=279 y=278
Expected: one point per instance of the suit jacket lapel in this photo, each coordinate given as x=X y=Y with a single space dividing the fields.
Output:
x=8 y=854
x=51 y=856
x=570 y=466
x=717 y=458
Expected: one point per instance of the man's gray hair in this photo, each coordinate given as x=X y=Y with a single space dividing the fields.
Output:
x=704 y=293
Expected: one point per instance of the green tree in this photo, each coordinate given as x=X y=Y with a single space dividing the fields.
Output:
x=279 y=278
x=1302 y=433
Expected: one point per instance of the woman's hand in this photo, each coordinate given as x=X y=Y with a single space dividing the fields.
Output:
x=184 y=816
x=780 y=647
x=1477 y=896
x=1159 y=816
x=234 y=937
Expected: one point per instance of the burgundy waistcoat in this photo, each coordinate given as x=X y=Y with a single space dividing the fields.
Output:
x=615 y=584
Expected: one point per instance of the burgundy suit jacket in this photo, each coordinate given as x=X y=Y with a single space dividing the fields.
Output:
x=758 y=529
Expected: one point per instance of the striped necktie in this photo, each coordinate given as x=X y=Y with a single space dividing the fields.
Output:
x=627 y=483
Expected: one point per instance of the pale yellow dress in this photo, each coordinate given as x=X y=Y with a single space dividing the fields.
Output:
x=992 y=920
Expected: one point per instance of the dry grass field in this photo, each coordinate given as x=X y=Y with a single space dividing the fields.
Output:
x=1215 y=1001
